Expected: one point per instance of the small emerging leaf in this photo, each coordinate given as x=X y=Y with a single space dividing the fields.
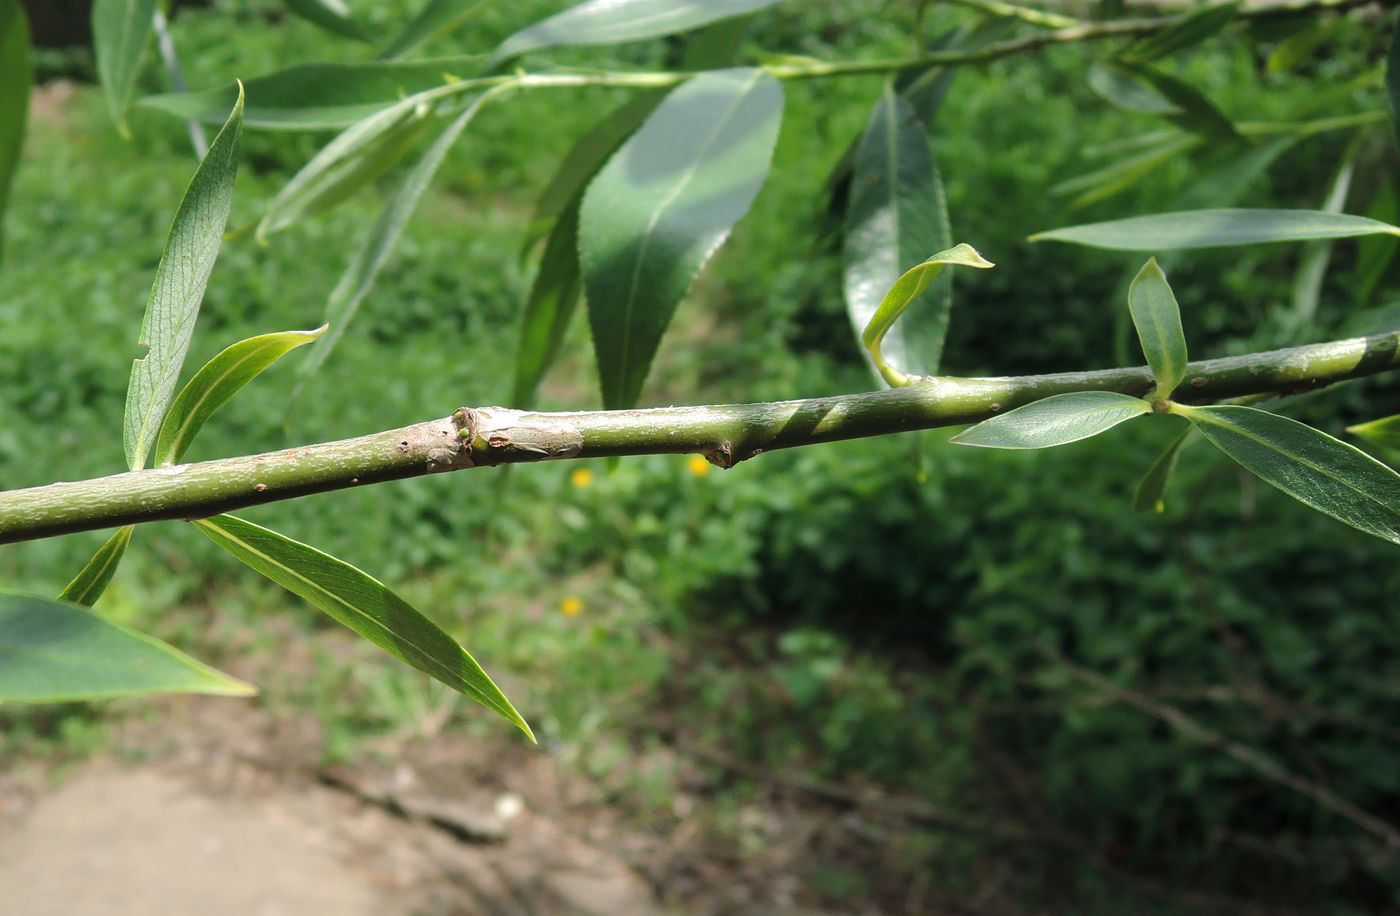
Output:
x=55 y=652
x=1055 y=420
x=1383 y=432
x=90 y=582
x=1151 y=491
x=362 y=603
x=1158 y=322
x=1215 y=229
x=220 y=379
x=905 y=290
x=1327 y=474
x=121 y=30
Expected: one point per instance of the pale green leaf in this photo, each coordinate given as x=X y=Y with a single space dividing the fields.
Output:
x=1158 y=321
x=550 y=305
x=363 y=604
x=178 y=290
x=92 y=580
x=1119 y=176
x=895 y=214
x=437 y=17
x=661 y=206
x=16 y=79
x=1152 y=489
x=910 y=285
x=1055 y=420
x=121 y=31
x=1215 y=229
x=606 y=22
x=1189 y=30
x=331 y=15
x=55 y=652
x=1327 y=474
x=220 y=379
x=1383 y=432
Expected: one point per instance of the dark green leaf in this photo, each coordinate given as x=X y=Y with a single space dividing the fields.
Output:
x=15 y=82
x=178 y=290
x=1312 y=266
x=1179 y=102
x=121 y=30
x=220 y=379
x=1392 y=81
x=323 y=96
x=1188 y=31
x=895 y=215
x=331 y=15
x=1375 y=253
x=662 y=205
x=54 y=652
x=1158 y=322
x=1055 y=420
x=1384 y=432
x=437 y=17
x=363 y=604
x=1152 y=490
x=1325 y=473
x=551 y=303
x=606 y=22
x=89 y=584
x=1116 y=87
x=1215 y=229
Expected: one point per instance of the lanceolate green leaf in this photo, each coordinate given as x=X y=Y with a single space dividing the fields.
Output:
x=895 y=215
x=1055 y=420
x=1384 y=432
x=331 y=15
x=89 y=584
x=662 y=205
x=1180 y=103
x=1190 y=30
x=1158 y=322
x=321 y=96
x=1327 y=474
x=548 y=309
x=363 y=604
x=369 y=258
x=121 y=30
x=1216 y=229
x=1312 y=267
x=606 y=22
x=178 y=289
x=1392 y=81
x=908 y=288
x=437 y=17
x=53 y=652
x=1152 y=490
x=220 y=379
x=15 y=81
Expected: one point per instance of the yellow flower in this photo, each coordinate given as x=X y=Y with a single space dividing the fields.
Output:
x=571 y=606
x=581 y=478
x=698 y=466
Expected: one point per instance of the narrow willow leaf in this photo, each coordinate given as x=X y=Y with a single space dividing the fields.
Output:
x=1312 y=267
x=1179 y=102
x=1215 y=229
x=1392 y=81
x=220 y=379
x=895 y=214
x=1384 y=432
x=908 y=288
x=1055 y=420
x=54 y=652
x=549 y=307
x=1158 y=321
x=331 y=15
x=369 y=258
x=1124 y=174
x=362 y=603
x=121 y=31
x=607 y=22
x=1190 y=30
x=1151 y=492
x=16 y=79
x=1117 y=88
x=1235 y=174
x=437 y=17
x=178 y=290
x=662 y=205
x=1327 y=474
x=92 y=580
x=1374 y=254
x=321 y=96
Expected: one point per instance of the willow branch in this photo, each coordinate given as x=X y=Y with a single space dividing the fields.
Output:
x=725 y=434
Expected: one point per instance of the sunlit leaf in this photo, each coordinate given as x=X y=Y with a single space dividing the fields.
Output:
x=16 y=79
x=1190 y=30
x=92 y=580
x=1152 y=489
x=220 y=379
x=1158 y=321
x=548 y=308
x=437 y=17
x=178 y=290
x=895 y=215
x=662 y=205
x=331 y=15
x=55 y=652
x=1055 y=420
x=606 y=22
x=1327 y=474
x=1215 y=229
x=906 y=290
x=362 y=603
x=121 y=30
x=1384 y=432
